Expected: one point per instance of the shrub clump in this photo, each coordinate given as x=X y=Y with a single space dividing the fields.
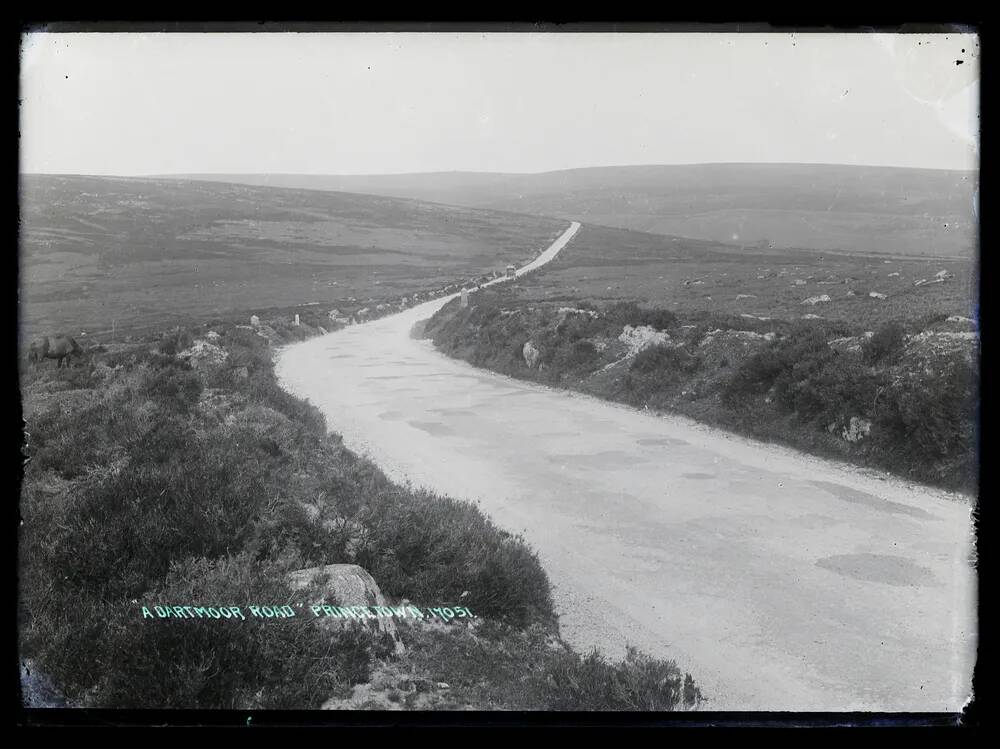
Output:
x=657 y=370
x=886 y=344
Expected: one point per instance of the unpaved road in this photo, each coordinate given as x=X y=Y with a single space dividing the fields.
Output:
x=780 y=581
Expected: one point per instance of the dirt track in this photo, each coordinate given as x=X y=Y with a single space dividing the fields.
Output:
x=780 y=581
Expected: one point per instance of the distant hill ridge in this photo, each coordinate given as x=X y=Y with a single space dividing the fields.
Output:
x=812 y=206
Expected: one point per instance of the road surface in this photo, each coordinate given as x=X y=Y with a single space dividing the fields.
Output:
x=780 y=581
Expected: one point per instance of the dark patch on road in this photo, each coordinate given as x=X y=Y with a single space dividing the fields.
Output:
x=607 y=460
x=878 y=568
x=432 y=427
x=651 y=441
x=870 y=500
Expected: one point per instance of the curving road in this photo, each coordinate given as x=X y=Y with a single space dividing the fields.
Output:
x=780 y=581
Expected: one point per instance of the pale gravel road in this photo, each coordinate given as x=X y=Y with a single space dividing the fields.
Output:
x=780 y=581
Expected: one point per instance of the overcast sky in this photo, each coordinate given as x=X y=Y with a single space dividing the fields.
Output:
x=375 y=103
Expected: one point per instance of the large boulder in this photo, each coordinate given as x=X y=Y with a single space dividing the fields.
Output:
x=203 y=353
x=530 y=354
x=344 y=586
x=641 y=337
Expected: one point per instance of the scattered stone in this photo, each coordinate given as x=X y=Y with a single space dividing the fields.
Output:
x=941 y=341
x=745 y=296
x=850 y=293
x=822 y=299
x=857 y=429
x=893 y=274
x=267 y=333
x=530 y=354
x=876 y=295
x=811 y=317
x=850 y=344
x=642 y=337
x=574 y=310
x=799 y=282
x=744 y=337
x=203 y=353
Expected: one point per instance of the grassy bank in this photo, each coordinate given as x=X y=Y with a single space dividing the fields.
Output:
x=176 y=470
x=902 y=397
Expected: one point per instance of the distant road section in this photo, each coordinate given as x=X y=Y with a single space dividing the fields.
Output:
x=780 y=581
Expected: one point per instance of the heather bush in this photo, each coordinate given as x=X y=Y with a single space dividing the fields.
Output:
x=886 y=344
x=657 y=370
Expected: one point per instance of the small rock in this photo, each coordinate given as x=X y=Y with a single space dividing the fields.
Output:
x=876 y=295
x=822 y=299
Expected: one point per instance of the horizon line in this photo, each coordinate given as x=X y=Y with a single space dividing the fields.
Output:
x=495 y=173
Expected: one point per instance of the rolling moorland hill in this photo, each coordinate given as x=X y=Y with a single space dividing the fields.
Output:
x=922 y=212
x=98 y=253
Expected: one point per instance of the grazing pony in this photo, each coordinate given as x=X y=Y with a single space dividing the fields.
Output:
x=58 y=347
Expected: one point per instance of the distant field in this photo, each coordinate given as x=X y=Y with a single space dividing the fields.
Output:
x=603 y=264
x=921 y=212
x=137 y=254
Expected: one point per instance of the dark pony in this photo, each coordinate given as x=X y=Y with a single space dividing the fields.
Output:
x=58 y=347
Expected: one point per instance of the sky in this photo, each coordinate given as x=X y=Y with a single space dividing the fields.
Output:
x=135 y=104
